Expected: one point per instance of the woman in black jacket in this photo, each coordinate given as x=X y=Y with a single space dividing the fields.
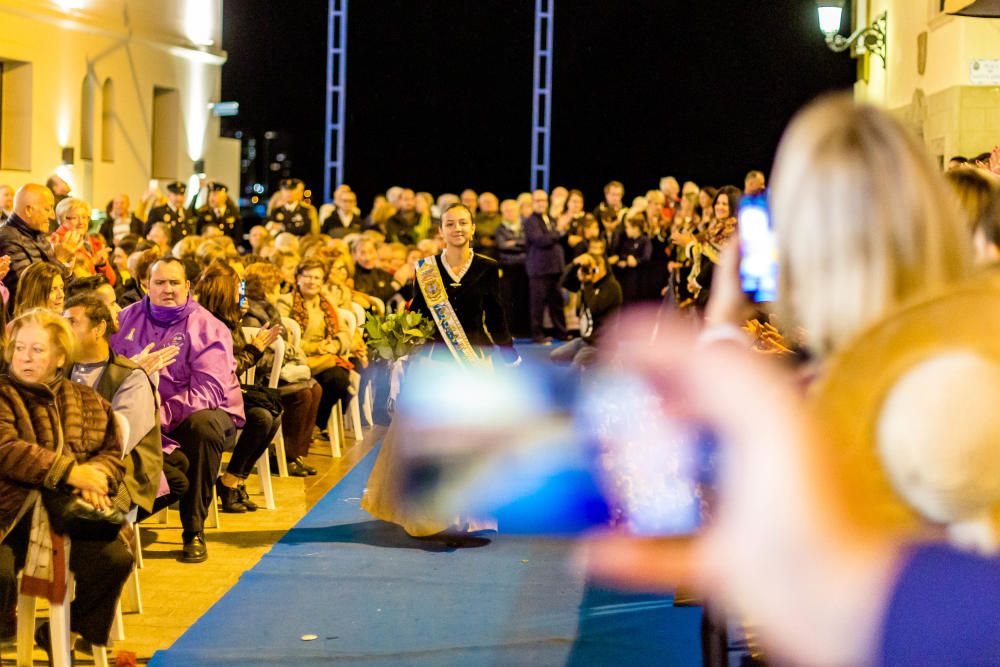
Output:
x=217 y=291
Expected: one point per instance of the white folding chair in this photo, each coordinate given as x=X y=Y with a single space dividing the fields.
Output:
x=263 y=464
x=353 y=407
x=59 y=630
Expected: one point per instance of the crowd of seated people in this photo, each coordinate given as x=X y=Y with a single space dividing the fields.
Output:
x=156 y=299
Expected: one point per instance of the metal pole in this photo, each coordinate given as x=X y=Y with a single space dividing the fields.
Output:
x=541 y=107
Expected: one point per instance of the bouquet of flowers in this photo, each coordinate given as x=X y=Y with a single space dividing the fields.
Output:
x=397 y=334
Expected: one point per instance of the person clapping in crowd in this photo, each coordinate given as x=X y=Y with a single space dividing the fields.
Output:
x=217 y=290
x=299 y=393
x=24 y=237
x=201 y=402
x=125 y=385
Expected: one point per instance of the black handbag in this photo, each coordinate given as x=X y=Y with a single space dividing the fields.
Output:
x=71 y=515
x=262 y=397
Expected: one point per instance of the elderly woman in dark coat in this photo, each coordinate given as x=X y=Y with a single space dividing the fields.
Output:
x=56 y=434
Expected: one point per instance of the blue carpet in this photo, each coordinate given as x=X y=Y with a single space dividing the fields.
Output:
x=375 y=596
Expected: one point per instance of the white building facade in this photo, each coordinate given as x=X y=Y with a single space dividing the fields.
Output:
x=941 y=76
x=111 y=94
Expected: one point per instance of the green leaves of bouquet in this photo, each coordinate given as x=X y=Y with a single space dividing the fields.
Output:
x=397 y=334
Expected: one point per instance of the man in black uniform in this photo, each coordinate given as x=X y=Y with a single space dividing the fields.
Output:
x=172 y=214
x=295 y=216
x=221 y=212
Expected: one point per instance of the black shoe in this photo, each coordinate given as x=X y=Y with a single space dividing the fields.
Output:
x=245 y=498
x=195 y=550
x=44 y=642
x=459 y=541
x=81 y=645
x=229 y=498
x=295 y=469
x=541 y=340
x=305 y=466
x=323 y=435
x=565 y=338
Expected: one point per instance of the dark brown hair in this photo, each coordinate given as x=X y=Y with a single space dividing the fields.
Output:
x=218 y=292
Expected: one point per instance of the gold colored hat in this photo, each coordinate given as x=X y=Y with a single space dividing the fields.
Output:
x=848 y=397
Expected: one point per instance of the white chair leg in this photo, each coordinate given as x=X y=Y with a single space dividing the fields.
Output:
x=25 y=629
x=367 y=405
x=264 y=473
x=138 y=547
x=333 y=427
x=279 y=453
x=59 y=632
x=100 y=656
x=354 y=412
x=117 y=624
x=212 y=520
x=131 y=600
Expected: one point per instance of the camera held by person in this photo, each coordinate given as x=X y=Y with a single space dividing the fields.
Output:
x=600 y=297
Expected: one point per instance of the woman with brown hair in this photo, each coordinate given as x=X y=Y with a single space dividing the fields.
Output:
x=217 y=290
x=40 y=286
x=300 y=394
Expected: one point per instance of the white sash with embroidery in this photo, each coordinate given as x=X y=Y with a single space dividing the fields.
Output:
x=432 y=286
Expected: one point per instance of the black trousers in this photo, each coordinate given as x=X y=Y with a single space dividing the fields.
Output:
x=336 y=383
x=261 y=427
x=544 y=291
x=515 y=300
x=175 y=467
x=203 y=436
x=100 y=569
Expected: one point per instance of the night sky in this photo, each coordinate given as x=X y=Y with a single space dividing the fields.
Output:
x=439 y=91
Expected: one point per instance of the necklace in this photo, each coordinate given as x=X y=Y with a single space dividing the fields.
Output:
x=456 y=276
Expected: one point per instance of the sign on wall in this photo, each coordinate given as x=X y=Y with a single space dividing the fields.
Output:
x=984 y=72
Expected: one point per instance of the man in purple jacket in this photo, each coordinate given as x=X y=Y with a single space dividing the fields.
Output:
x=200 y=400
x=544 y=266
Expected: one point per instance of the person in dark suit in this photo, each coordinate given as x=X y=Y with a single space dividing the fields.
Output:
x=120 y=221
x=345 y=218
x=172 y=214
x=296 y=216
x=544 y=265
x=221 y=212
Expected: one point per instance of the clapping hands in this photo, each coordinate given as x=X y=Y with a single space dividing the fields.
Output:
x=152 y=362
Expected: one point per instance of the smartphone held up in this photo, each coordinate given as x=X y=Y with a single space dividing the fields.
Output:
x=758 y=249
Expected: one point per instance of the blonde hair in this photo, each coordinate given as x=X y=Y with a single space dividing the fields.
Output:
x=72 y=204
x=58 y=329
x=863 y=220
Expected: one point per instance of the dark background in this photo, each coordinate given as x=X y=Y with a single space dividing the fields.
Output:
x=439 y=91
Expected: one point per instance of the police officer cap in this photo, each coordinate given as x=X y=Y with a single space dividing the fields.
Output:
x=215 y=186
x=290 y=183
x=176 y=187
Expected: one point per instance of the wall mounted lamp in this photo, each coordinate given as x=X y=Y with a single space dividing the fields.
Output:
x=67 y=155
x=869 y=38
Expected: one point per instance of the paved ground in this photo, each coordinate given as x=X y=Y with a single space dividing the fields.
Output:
x=175 y=595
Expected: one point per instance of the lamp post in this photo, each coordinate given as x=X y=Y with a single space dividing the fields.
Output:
x=870 y=38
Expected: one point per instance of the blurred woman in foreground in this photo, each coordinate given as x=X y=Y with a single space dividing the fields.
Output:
x=864 y=224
